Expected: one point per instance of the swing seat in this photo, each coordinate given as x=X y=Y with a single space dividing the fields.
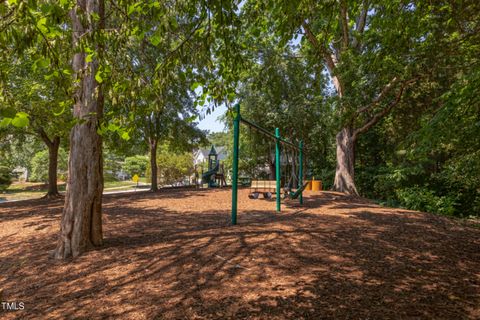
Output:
x=294 y=195
x=254 y=195
x=264 y=187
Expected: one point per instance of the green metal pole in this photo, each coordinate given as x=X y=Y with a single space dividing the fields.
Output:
x=277 y=166
x=236 y=135
x=300 y=170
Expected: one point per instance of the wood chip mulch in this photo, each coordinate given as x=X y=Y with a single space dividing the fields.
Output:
x=174 y=255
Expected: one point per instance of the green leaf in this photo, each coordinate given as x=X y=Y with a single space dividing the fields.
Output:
x=52 y=75
x=62 y=105
x=155 y=39
x=125 y=136
x=174 y=23
x=5 y=122
x=136 y=7
x=195 y=85
x=41 y=63
x=42 y=24
x=155 y=4
x=112 y=127
x=21 y=114
x=95 y=16
x=98 y=76
x=21 y=120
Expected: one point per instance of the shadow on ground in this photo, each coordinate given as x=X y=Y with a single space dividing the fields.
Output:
x=171 y=255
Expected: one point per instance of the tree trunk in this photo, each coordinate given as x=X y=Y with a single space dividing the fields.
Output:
x=81 y=225
x=271 y=167
x=52 y=146
x=345 y=172
x=52 y=168
x=153 y=164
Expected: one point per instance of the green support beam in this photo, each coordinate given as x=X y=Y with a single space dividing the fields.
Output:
x=300 y=169
x=278 y=142
x=236 y=136
x=277 y=167
x=267 y=133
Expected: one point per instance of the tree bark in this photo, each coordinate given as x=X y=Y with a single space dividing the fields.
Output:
x=52 y=168
x=81 y=225
x=52 y=145
x=153 y=164
x=345 y=172
x=271 y=167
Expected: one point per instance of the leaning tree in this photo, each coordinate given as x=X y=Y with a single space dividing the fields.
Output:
x=373 y=52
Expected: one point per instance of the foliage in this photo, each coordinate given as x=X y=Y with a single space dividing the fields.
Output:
x=174 y=167
x=18 y=150
x=135 y=165
x=112 y=165
x=5 y=177
x=218 y=139
x=423 y=199
x=39 y=165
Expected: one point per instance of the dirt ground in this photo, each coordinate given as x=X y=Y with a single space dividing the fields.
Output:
x=174 y=255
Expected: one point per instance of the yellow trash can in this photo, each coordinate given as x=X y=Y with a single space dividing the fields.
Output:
x=309 y=186
x=316 y=185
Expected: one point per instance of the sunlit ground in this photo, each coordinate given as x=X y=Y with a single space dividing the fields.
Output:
x=174 y=255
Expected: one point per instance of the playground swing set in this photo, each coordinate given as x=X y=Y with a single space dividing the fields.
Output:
x=294 y=186
x=267 y=187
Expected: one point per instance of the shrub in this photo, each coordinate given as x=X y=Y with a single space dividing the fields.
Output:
x=5 y=178
x=422 y=199
x=135 y=165
x=39 y=165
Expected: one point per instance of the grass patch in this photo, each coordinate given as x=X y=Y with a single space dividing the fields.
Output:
x=34 y=190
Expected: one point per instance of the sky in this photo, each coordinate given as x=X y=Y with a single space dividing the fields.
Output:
x=210 y=121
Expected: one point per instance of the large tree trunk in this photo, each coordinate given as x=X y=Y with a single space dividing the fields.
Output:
x=81 y=225
x=52 y=168
x=345 y=172
x=153 y=164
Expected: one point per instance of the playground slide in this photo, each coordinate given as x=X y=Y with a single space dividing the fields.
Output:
x=207 y=175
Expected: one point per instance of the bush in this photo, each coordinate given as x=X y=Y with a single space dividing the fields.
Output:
x=39 y=164
x=112 y=165
x=5 y=178
x=136 y=165
x=174 y=167
x=423 y=199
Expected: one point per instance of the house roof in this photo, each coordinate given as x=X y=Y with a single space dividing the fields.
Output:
x=213 y=152
x=221 y=152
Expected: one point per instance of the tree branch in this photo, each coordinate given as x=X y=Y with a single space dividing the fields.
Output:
x=360 y=23
x=43 y=135
x=377 y=117
x=120 y=10
x=321 y=50
x=382 y=94
x=344 y=21
x=326 y=55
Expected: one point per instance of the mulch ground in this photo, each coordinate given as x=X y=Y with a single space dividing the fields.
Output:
x=173 y=255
